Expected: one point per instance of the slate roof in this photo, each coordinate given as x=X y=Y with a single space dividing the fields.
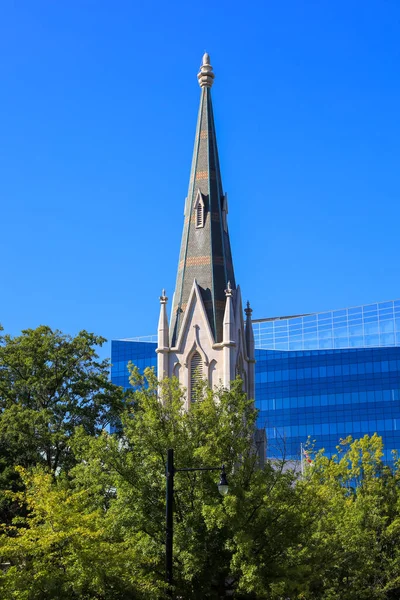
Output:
x=205 y=253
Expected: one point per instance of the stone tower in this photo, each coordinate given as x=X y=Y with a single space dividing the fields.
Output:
x=208 y=336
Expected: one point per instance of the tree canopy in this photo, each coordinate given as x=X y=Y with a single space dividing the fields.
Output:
x=84 y=510
x=50 y=384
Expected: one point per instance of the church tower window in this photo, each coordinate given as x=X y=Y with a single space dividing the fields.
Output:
x=199 y=216
x=196 y=375
x=199 y=210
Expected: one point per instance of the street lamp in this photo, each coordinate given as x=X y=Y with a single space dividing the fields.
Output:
x=223 y=483
x=170 y=472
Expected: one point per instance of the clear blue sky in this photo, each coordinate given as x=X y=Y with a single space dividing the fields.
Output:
x=98 y=110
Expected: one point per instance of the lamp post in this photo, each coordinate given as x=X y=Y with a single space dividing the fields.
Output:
x=170 y=472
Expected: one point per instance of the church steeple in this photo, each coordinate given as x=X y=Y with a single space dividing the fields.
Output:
x=208 y=338
x=205 y=254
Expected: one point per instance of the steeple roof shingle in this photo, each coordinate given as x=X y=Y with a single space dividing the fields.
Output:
x=205 y=253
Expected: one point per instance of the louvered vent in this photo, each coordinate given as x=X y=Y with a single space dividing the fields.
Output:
x=196 y=375
x=199 y=215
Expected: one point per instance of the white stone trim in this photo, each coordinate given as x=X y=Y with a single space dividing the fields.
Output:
x=195 y=297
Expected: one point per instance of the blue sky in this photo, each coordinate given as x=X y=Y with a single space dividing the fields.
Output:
x=98 y=110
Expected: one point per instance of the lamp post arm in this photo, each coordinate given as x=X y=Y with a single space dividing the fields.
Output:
x=199 y=469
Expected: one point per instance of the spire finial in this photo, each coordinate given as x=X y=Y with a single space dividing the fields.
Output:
x=228 y=291
x=163 y=298
x=206 y=74
x=248 y=310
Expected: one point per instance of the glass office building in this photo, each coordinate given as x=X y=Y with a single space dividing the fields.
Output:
x=327 y=375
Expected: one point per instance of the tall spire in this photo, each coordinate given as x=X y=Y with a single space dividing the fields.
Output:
x=205 y=248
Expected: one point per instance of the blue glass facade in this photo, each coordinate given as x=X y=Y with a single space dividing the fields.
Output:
x=142 y=354
x=328 y=395
x=371 y=325
x=326 y=375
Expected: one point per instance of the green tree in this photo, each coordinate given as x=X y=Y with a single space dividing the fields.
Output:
x=66 y=548
x=97 y=528
x=50 y=383
x=241 y=544
x=351 y=548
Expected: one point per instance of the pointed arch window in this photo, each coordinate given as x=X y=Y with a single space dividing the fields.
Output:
x=199 y=210
x=196 y=375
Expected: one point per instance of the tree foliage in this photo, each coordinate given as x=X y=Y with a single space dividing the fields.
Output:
x=352 y=550
x=50 y=384
x=114 y=498
x=65 y=548
x=91 y=523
